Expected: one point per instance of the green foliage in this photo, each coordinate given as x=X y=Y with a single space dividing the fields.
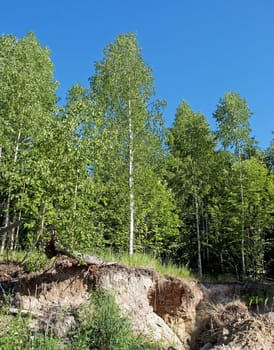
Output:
x=269 y=155
x=259 y=199
x=261 y=298
x=33 y=261
x=103 y=328
x=128 y=160
x=15 y=335
x=192 y=148
x=232 y=116
x=85 y=166
x=27 y=105
x=107 y=329
x=36 y=261
x=44 y=342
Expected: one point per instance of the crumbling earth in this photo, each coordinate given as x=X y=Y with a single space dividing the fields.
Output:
x=183 y=314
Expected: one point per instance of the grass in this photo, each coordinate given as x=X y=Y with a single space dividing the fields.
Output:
x=35 y=261
x=15 y=334
x=106 y=329
x=146 y=260
x=219 y=278
x=12 y=256
x=100 y=327
x=38 y=260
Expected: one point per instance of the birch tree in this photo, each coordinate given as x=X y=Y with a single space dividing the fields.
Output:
x=122 y=89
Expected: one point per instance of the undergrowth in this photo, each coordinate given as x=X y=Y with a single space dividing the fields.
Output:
x=15 y=334
x=37 y=261
x=100 y=327
x=106 y=329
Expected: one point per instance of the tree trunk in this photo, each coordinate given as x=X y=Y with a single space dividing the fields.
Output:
x=131 y=180
x=15 y=243
x=243 y=232
x=7 y=209
x=17 y=146
x=222 y=261
x=242 y=216
x=10 y=242
x=6 y=223
x=198 y=234
x=75 y=208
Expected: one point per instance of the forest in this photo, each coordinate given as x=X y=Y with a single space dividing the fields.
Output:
x=106 y=173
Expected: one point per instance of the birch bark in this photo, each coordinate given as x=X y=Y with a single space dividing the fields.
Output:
x=131 y=180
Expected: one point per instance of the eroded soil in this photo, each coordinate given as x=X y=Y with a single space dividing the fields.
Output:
x=184 y=314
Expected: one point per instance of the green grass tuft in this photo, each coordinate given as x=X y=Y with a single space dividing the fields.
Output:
x=146 y=260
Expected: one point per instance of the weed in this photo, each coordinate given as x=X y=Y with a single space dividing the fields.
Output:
x=41 y=341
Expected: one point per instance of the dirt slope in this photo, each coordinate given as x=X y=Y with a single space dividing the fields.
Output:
x=182 y=314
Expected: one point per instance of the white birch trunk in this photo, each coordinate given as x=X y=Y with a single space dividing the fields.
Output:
x=17 y=146
x=6 y=223
x=7 y=213
x=131 y=170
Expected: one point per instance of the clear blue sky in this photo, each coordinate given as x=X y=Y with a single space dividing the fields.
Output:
x=198 y=49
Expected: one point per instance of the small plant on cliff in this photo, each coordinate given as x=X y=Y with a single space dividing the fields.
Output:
x=107 y=329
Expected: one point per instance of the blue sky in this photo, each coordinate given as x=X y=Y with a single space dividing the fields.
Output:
x=197 y=49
